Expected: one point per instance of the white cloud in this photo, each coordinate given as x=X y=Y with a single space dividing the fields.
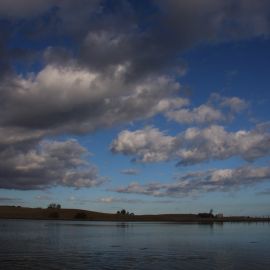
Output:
x=72 y=99
x=194 y=145
x=200 y=115
x=147 y=145
x=201 y=182
x=235 y=104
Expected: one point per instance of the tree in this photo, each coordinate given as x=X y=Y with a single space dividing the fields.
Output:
x=54 y=206
x=123 y=212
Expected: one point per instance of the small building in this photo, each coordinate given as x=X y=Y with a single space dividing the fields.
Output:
x=219 y=215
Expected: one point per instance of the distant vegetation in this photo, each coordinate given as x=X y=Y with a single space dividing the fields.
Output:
x=54 y=206
x=124 y=213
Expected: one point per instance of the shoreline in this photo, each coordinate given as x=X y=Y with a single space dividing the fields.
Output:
x=24 y=213
x=206 y=222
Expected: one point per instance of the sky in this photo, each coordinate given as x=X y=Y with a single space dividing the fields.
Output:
x=153 y=106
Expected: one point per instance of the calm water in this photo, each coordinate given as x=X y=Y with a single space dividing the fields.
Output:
x=114 y=245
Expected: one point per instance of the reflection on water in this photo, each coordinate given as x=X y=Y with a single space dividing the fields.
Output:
x=123 y=245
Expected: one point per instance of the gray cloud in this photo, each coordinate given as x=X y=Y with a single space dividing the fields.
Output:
x=17 y=8
x=200 y=115
x=121 y=35
x=107 y=57
x=112 y=37
x=173 y=27
x=49 y=102
x=216 y=109
x=209 y=181
x=47 y=164
x=194 y=145
x=216 y=20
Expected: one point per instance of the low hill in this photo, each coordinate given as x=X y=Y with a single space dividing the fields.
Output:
x=17 y=212
x=70 y=214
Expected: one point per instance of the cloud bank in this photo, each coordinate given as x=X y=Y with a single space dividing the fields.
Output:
x=219 y=180
x=194 y=145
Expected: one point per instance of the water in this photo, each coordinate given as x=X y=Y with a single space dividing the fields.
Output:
x=113 y=245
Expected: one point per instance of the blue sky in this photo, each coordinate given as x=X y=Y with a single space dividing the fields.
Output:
x=152 y=106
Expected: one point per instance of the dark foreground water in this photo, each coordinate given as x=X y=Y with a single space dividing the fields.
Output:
x=114 y=245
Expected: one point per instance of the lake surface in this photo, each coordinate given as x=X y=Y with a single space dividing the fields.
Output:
x=113 y=245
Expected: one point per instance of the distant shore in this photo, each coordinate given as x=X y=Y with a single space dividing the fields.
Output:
x=17 y=212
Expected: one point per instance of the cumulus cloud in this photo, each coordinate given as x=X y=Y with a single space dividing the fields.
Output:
x=77 y=100
x=215 y=143
x=217 y=109
x=49 y=163
x=107 y=37
x=172 y=27
x=194 y=145
x=234 y=104
x=101 y=67
x=209 y=181
x=147 y=145
x=69 y=100
x=200 y=115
